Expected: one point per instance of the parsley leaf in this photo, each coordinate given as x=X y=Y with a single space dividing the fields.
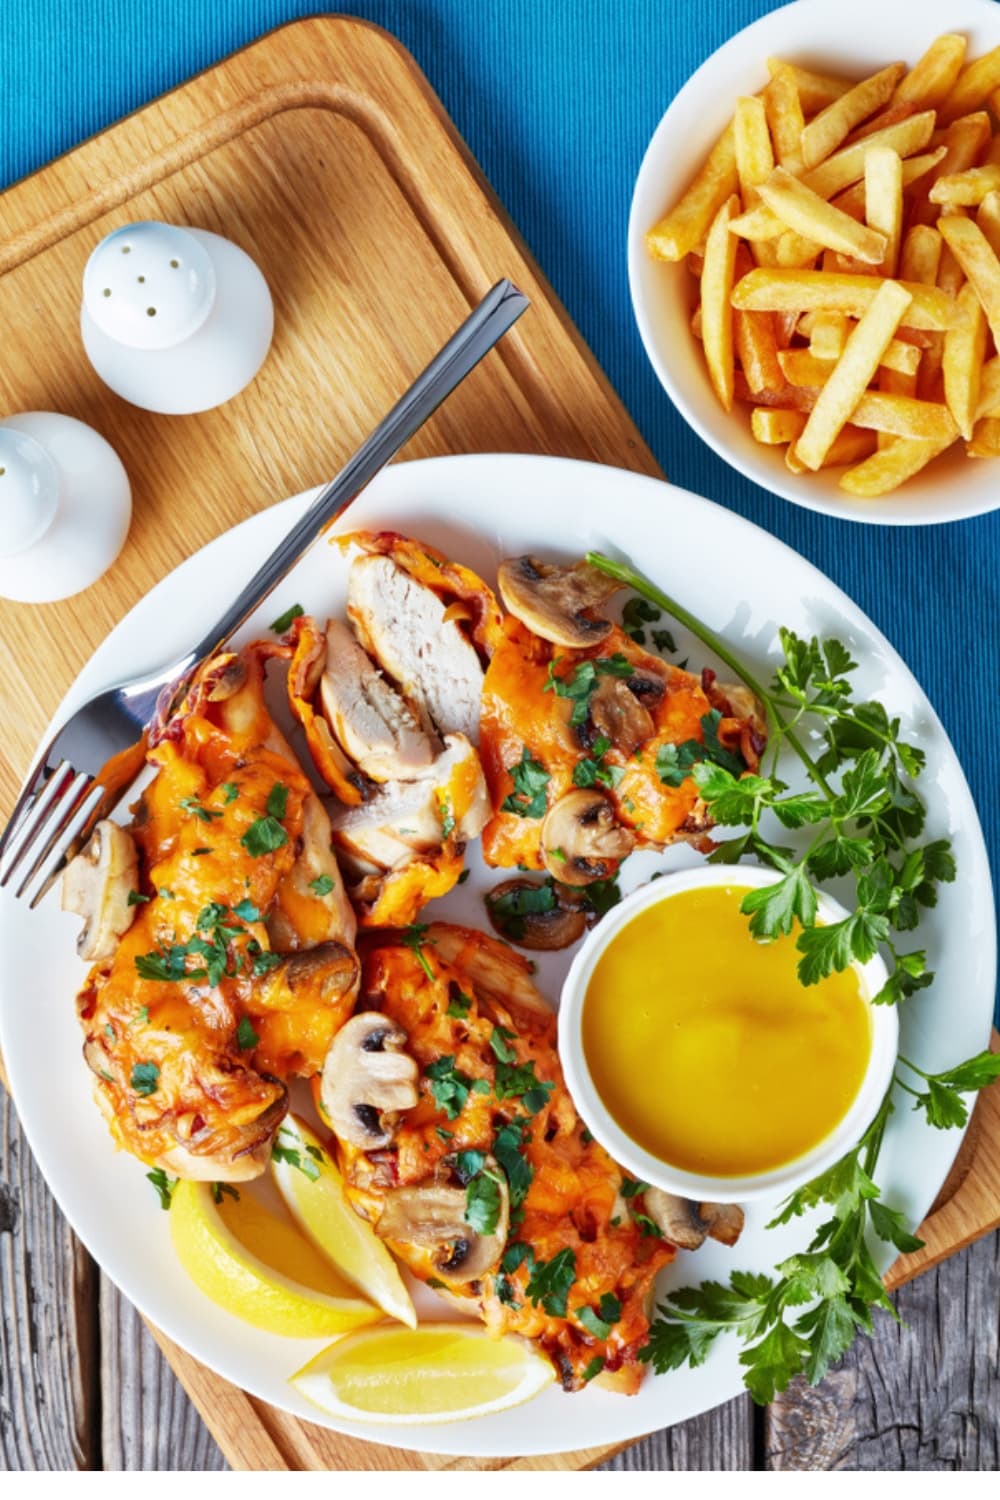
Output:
x=459 y=1002
x=286 y=1150
x=449 y=1087
x=283 y=622
x=193 y=806
x=322 y=885
x=246 y=1037
x=145 y=1078
x=529 y=798
x=413 y=937
x=230 y=792
x=277 y=801
x=264 y=836
x=163 y=1184
x=507 y=1148
x=482 y=1203
x=550 y=1282
x=509 y=908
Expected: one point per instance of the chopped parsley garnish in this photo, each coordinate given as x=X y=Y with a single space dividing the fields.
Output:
x=500 y=1039
x=507 y=1148
x=449 y=1087
x=163 y=1184
x=283 y=622
x=482 y=1203
x=135 y=897
x=504 y=1289
x=322 y=885
x=595 y=1367
x=582 y=682
x=230 y=792
x=674 y=763
x=592 y=770
x=211 y=943
x=647 y=1228
x=467 y=1164
x=307 y=1163
x=224 y=1189
x=508 y=909
x=459 y=1002
x=519 y=1082
x=630 y=1188
x=447 y=817
x=445 y=1135
x=166 y=894
x=600 y=1323
x=517 y=1254
x=145 y=1078
x=277 y=800
x=414 y=937
x=264 y=836
x=463 y=877
x=637 y=613
x=550 y=1282
x=197 y=810
x=529 y=798
x=246 y=911
x=246 y=1037
x=664 y=641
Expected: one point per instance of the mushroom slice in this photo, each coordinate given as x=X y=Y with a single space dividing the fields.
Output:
x=551 y=601
x=534 y=916
x=96 y=885
x=367 y=1080
x=687 y=1224
x=617 y=713
x=368 y=717
x=432 y=1217
x=582 y=839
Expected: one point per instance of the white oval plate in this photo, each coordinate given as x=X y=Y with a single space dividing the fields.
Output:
x=479 y=508
x=853 y=37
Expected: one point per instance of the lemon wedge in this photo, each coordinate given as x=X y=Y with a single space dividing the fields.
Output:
x=318 y=1203
x=440 y=1372
x=260 y=1268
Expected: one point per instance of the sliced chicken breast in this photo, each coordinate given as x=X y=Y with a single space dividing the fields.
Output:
x=368 y=717
x=403 y=625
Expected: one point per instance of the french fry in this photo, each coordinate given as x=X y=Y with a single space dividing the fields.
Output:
x=784 y=291
x=827 y=335
x=989 y=389
x=752 y=139
x=895 y=383
x=716 y=305
x=816 y=90
x=891 y=466
x=811 y=216
x=757 y=349
x=696 y=323
x=782 y=398
x=972 y=250
x=986 y=439
x=758 y=223
x=920 y=255
x=905 y=416
x=884 y=202
x=931 y=80
x=973 y=86
x=850 y=445
x=686 y=225
x=853 y=371
x=795 y=251
x=964 y=354
x=799 y=367
x=964 y=142
x=881 y=121
x=852 y=200
x=784 y=117
x=831 y=126
x=847 y=166
x=770 y=425
x=965 y=189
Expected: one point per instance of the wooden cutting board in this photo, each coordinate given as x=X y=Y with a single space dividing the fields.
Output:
x=323 y=152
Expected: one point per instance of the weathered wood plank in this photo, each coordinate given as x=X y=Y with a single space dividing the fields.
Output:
x=720 y=1439
x=48 y=1351
x=923 y=1394
x=147 y=1420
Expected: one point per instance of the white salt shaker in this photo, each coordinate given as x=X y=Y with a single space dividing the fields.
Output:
x=65 y=506
x=174 y=320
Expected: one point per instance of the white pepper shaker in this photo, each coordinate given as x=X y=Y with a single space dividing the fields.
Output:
x=65 y=506
x=174 y=320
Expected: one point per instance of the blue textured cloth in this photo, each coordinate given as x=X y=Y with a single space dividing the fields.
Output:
x=557 y=100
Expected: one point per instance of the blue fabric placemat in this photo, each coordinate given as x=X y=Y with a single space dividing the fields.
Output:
x=557 y=100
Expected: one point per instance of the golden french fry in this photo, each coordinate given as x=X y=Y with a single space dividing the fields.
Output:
x=816 y=90
x=850 y=445
x=964 y=142
x=758 y=223
x=800 y=291
x=782 y=398
x=973 y=87
x=847 y=166
x=796 y=251
x=716 y=305
x=986 y=439
x=853 y=371
x=784 y=117
x=887 y=469
x=827 y=334
x=799 y=367
x=686 y=225
x=920 y=255
x=696 y=322
x=989 y=389
x=904 y=416
x=881 y=121
x=812 y=217
x=852 y=200
x=771 y=425
x=754 y=156
x=805 y=367
x=832 y=125
x=964 y=353
x=972 y=250
x=884 y=202
x=896 y=383
x=965 y=189
x=930 y=81
x=757 y=348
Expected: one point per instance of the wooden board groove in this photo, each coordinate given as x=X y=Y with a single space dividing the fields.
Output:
x=322 y=149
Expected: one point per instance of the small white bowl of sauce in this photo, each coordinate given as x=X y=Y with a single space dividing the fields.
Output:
x=698 y=1059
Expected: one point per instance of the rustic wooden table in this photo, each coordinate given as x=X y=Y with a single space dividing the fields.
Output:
x=82 y=1384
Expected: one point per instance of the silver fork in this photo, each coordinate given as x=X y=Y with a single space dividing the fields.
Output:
x=87 y=766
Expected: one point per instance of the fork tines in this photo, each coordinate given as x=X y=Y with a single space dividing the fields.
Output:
x=36 y=843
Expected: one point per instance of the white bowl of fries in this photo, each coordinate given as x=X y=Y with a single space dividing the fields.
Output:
x=814 y=256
